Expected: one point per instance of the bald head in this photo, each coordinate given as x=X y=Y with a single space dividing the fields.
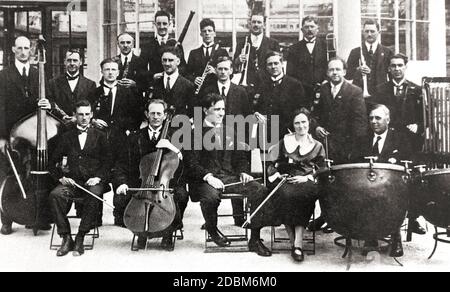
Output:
x=22 y=49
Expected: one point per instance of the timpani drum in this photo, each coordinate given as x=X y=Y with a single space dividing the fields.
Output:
x=364 y=201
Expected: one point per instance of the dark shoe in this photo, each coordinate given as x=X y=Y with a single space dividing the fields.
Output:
x=258 y=247
x=6 y=229
x=79 y=246
x=369 y=245
x=297 y=254
x=167 y=243
x=142 y=241
x=67 y=246
x=46 y=227
x=415 y=227
x=396 y=247
x=218 y=239
x=327 y=229
x=119 y=223
x=317 y=224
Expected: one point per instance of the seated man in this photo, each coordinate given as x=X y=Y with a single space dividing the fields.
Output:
x=82 y=157
x=220 y=162
x=127 y=173
x=390 y=147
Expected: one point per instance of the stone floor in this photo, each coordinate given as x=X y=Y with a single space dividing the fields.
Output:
x=21 y=251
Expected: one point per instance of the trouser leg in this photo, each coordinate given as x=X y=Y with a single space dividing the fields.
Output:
x=60 y=205
x=91 y=209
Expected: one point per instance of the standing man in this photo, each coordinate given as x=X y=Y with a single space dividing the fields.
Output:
x=341 y=117
x=151 y=54
x=19 y=90
x=279 y=95
x=82 y=157
x=404 y=100
x=260 y=46
x=66 y=90
x=308 y=59
x=199 y=58
x=375 y=62
x=173 y=88
x=131 y=68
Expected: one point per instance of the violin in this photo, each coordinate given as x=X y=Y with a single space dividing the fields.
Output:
x=24 y=195
x=152 y=209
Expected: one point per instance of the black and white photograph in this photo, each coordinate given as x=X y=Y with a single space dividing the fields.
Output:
x=225 y=142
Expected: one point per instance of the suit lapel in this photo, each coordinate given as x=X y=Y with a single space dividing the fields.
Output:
x=90 y=140
x=388 y=144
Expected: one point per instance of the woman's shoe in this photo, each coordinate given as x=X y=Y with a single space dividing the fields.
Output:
x=297 y=254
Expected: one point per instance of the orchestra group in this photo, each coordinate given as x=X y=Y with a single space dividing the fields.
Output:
x=319 y=105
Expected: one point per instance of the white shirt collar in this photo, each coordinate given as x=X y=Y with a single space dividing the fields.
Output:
x=226 y=84
x=209 y=124
x=337 y=87
x=291 y=144
x=173 y=78
x=278 y=78
x=129 y=56
x=81 y=129
x=76 y=75
x=20 y=65
x=400 y=83
x=161 y=39
x=257 y=40
x=374 y=46
x=151 y=130
x=313 y=40
x=211 y=45
x=107 y=86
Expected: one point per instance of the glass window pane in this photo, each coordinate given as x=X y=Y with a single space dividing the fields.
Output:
x=284 y=21
x=2 y=19
x=369 y=8
x=406 y=41
x=422 y=12
x=324 y=11
x=405 y=11
x=33 y=22
x=60 y=23
x=422 y=45
x=388 y=33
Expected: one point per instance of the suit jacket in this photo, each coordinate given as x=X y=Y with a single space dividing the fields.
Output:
x=282 y=100
x=93 y=161
x=128 y=109
x=344 y=117
x=64 y=99
x=394 y=147
x=379 y=66
x=226 y=160
x=151 y=59
x=310 y=69
x=257 y=57
x=17 y=98
x=181 y=96
x=137 y=71
x=197 y=61
x=237 y=102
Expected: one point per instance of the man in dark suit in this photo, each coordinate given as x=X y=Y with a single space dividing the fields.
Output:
x=237 y=103
x=341 y=118
x=389 y=146
x=307 y=60
x=221 y=161
x=19 y=90
x=118 y=111
x=151 y=54
x=376 y=59
x=127 y=172
x=173 y=88
x=132 y=71
x=82 y=157
x=199 y=58
x=66 y=90
x=404 y=100
x=260 y=46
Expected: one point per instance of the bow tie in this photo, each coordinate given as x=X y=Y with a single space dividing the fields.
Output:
x=82 y=131
x=71 y=78
x=310 y=42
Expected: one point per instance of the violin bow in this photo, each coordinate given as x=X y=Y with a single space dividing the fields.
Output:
x=16 y=173
x=283 y=181
x=240 y=183
x=94 y=195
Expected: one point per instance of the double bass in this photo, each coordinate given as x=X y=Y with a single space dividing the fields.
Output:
x=153 y=209
x=24 y=194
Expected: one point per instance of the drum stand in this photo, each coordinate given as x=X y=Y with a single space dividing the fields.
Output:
x=437 y=236
x=348 y=252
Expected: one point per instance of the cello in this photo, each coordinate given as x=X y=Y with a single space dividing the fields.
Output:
x=152 y=209
x=24 y=195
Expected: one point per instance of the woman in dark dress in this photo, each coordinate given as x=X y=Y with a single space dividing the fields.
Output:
x=298 y=155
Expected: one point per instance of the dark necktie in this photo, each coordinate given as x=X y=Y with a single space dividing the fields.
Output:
x=398 y=90
x=168 y=84
x=371 y=50
x=207 y=54
x=125 y=63
x=24 y=73
x=223 y=91
x=376 y=147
